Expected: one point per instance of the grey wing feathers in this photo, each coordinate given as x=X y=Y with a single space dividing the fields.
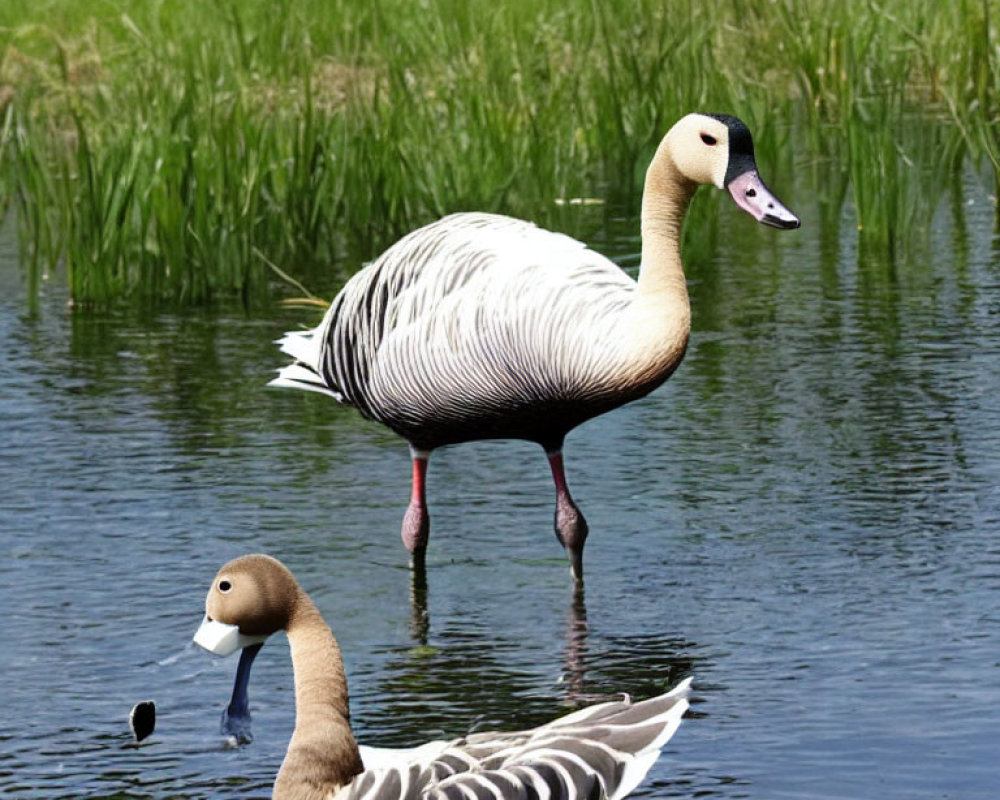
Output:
x=336 y=357
x=598 y=753
x=562 y=769
x=465 y=315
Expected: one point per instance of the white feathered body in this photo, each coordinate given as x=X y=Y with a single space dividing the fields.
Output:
x=482 y=326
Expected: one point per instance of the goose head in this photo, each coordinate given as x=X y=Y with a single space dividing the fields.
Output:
x=250 y=598
x=717 y=150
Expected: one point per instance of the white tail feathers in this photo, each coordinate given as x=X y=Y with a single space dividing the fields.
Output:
x=303 y=346
x=299 y=376
x=637 y=767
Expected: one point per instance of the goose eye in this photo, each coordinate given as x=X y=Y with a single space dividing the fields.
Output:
x=225 y=586
x=709 y=140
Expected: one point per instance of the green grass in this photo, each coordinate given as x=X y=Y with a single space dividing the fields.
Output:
x=168 y=152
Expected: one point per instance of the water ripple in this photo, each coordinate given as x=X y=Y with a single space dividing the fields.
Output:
x=804 y=519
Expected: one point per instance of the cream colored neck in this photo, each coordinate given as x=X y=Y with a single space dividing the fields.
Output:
x=656 y=327
x=665 y=201
x=322 y=755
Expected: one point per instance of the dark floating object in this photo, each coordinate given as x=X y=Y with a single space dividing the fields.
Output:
x=142 y=719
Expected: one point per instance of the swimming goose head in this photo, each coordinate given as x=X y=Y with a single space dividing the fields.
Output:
x=717 y=150
x=251 y=598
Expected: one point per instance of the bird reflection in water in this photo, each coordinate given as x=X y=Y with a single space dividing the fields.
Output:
x=420 y=618
x=575 y=655
x=574 y=664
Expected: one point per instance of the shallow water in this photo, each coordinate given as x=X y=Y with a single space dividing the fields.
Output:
x=805 y=518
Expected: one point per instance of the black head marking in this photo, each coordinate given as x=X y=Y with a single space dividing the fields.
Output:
x=741 y=157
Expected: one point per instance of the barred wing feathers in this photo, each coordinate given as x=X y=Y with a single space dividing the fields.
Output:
x=600 y=753
x=473 y=317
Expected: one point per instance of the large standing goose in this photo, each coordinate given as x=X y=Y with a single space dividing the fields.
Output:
x=480 y=326
x=601 y=752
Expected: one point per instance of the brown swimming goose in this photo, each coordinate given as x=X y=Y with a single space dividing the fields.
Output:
x=480 y=326
x=600 y=752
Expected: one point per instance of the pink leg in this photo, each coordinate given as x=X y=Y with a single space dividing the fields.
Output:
x=571 y=527
x=417 y=520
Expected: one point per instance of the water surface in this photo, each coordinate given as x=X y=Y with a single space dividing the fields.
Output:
x=805 y=519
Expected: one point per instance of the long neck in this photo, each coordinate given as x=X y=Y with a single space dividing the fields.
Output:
x=665 y=201
x=658 y=322
x=322 y=755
